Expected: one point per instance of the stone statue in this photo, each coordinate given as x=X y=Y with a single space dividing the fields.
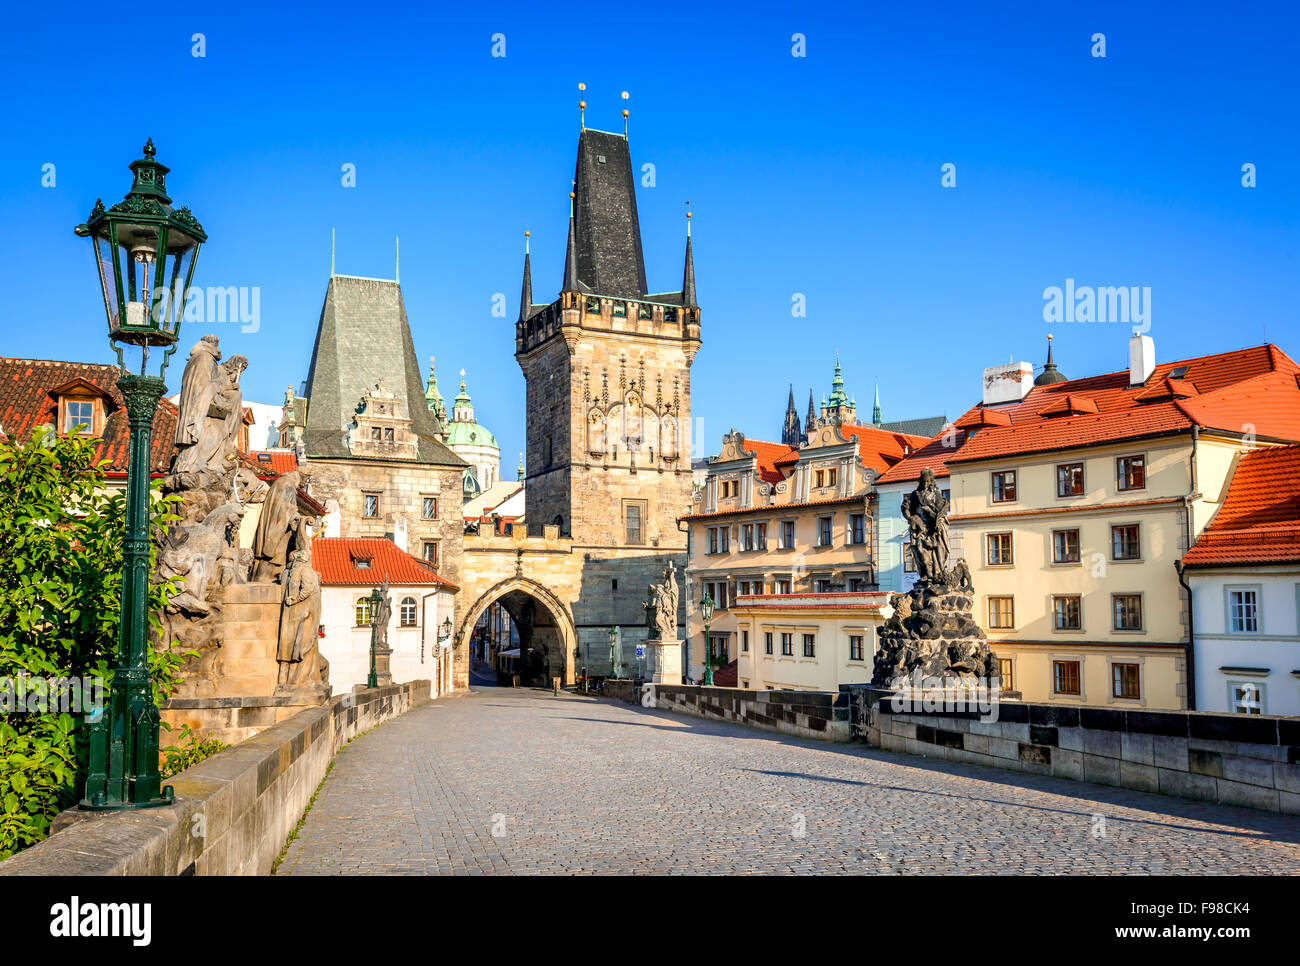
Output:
x=931 y=636
x=661 y=607
x=197 y=552
x=198 y=389
x=381 y=616
x=275 y=527
x=299 y=624
x=926 y=511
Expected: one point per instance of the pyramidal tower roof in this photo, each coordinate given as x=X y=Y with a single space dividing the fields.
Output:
x=608 y=242
x=363 y=337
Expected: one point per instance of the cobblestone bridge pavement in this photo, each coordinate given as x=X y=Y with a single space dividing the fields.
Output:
x=505 y=781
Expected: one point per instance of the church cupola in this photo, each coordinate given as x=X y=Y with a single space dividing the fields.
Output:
x=1050 y=374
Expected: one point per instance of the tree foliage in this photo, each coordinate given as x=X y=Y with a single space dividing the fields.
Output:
x=61 y=531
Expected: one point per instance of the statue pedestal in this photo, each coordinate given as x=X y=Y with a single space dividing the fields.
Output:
x=664 y=662
x=383 y=666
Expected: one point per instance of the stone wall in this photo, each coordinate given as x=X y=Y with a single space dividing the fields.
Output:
x=233 y=812
x=1229 y=759
x=803 y=714
x=401 y=487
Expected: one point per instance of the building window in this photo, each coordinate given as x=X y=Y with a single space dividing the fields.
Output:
x=1131 y=473
x=822 y=585
x=79 y=414
x=1002 y=613
x=1065 y=546
x=1128 y=611
x=1243 y=611
x=857 y=582
x=857 y=649
x=809 y=645
x=824 y=531
x=1065 y=677
x=787 y=645
x=374 y=432
x=363 y=612
x=429 y=551
x=744 y=642
x=632 y=522
x=747 y=537
x=783 y=586
x=787 y=534
x=909 y=560
x=1007 y=672
x=1125 y=542
x=388 y=435
x=408 y=610
x=823 y=478
x=371 y=507
x=857 y=528
x=767 y=643
x=713 y=539
x=1246 y=697
x=761 y=531
x=1124 y=681
x=1067 y=613
x=429 y=507
x=1069 y=479
x=1004 y=486
x=999 y=545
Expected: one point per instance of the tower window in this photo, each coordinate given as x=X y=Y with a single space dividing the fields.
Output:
x=634 y=521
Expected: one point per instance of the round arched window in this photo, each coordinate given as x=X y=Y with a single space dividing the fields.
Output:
x=363 y=612
x=408 y=611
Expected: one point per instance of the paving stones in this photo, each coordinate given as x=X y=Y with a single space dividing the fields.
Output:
x=511 y=781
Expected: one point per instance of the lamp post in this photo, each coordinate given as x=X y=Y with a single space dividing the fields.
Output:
x=372 y=681
x=613 y=643
x=145 y=252
x=706 y=614
x=445 y=634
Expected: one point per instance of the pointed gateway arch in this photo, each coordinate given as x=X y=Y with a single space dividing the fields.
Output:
x=543 y=621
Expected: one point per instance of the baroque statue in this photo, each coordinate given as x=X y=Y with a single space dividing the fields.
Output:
x=298 y=651
x=661 y=607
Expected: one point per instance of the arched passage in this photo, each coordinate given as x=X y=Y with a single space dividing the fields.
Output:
x=547 y=639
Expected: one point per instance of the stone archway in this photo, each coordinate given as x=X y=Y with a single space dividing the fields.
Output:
x=542 y=619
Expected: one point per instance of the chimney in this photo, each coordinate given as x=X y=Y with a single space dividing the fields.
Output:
x=1141 y=359
x=1009 y=382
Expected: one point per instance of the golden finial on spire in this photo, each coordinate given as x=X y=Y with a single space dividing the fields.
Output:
x=582 y=106
x=688 y=219
x=625 y=114
x=527 y=234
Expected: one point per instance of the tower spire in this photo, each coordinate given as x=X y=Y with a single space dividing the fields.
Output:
x=875 y=409
x=688 y=273
x=571 y=254
x=811 y=419
x=791 y=431
x=582 y=106
x=625 y=115
x=331 y=253
x=526 y=295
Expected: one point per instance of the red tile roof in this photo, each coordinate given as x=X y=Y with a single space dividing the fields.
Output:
x=335 y=559
x=1244 y=391
x=279 y=461
x=770 y=455
x=933 y=455
x=26 y=403
x=1259 y=521
x=880 y=449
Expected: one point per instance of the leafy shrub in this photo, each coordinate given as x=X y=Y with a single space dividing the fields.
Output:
x=60 y=582
x=176 y=758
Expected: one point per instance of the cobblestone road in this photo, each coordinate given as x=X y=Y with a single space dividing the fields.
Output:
x=506 y=781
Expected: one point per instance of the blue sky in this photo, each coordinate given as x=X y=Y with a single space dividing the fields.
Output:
x=817 y=175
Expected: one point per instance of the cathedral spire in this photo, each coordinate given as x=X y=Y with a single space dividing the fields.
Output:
x=688 y=274
x=875 y=409
x=526 y=296
x=791 y=432
x=811 y=419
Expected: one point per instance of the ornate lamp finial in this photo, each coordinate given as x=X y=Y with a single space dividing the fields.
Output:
x=625 y=114
x=582 y=106
x=149 y=150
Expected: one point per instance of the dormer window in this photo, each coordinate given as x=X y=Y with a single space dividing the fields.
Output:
x=79 y=417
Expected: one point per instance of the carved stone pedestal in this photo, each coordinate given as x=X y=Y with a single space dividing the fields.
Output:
x=663 y=662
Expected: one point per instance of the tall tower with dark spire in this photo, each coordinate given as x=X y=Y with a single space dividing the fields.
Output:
x=810 y=420
x=791 y=432
x=875 y=409
x=607 y=366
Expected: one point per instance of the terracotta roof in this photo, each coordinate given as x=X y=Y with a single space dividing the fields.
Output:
x=770 y=456
x=26 y=403
x=1244 y=391
x=779 y=507
x=933 y=455
x=335 y=559
x=278 y=461
x=880 y=449
x=1259 y=520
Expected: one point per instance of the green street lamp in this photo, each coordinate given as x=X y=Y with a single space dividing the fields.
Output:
x=145 y=251
x=613 y=643
x=706 y=614
x=446 y=630
x=372 y=681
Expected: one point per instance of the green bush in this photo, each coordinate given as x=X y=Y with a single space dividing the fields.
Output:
x=176 y=758
x=60 y=582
